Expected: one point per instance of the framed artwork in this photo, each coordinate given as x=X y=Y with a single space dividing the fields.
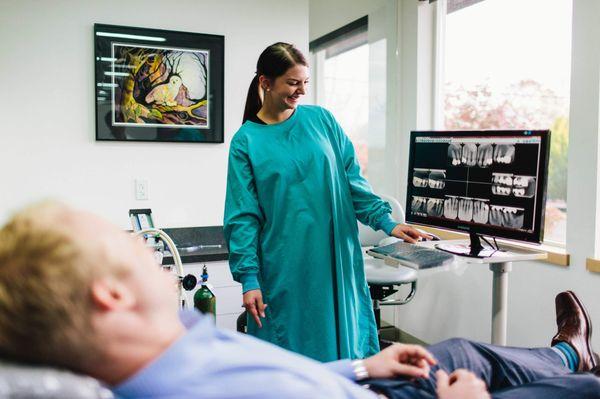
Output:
x=158 y=85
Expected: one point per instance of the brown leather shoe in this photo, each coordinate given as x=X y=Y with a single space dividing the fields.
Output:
x=574 y=328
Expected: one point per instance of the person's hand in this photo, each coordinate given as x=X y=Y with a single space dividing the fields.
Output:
x=253 y=302
x=409 y=234
x=461 y=384
x=400 y=360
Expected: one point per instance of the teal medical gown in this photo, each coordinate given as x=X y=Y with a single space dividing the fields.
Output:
x=294 y=192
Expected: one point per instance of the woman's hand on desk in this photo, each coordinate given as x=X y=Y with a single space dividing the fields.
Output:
x=253 y=302
x=409 y=234
x=400 y=359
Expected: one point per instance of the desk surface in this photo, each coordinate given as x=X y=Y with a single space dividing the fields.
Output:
x=509 y=254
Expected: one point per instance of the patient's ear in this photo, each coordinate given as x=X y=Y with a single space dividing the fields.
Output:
x=109 y=293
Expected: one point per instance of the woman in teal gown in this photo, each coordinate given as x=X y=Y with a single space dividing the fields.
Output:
x=294 y=193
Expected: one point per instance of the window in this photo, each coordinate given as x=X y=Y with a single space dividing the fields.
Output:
x=506 y=65
x=342 y=82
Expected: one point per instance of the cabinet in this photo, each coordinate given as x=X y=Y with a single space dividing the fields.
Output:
x=227 y=291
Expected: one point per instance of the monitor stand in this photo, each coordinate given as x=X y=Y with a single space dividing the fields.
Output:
x=474 y=249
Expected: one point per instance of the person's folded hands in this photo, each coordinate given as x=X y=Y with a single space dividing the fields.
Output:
x=400 y=360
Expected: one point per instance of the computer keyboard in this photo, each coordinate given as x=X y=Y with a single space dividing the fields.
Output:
x=412 y=255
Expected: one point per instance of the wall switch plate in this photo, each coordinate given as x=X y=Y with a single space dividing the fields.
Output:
x=141 y=189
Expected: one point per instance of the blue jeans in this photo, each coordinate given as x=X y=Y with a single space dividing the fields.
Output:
x=508 y=373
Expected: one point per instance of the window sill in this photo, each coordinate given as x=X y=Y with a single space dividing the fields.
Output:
x=592 y=265
x=556 y=255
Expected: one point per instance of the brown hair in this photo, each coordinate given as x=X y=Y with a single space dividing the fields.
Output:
x=273 y=62
x=45 y=278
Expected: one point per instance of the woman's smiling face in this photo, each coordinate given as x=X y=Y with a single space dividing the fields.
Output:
x=285 y=91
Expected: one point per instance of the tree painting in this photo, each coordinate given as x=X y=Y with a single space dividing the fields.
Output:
x=160 y=87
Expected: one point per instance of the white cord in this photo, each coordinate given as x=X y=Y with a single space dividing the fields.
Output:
x=176 y=258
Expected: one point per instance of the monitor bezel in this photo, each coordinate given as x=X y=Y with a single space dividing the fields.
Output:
x=470 y=227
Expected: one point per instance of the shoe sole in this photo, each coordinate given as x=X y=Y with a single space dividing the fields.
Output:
x=589 y=329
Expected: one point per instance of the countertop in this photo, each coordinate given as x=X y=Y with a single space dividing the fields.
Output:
x=197 y=244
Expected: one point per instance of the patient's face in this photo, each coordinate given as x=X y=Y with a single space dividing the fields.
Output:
x=154 y=289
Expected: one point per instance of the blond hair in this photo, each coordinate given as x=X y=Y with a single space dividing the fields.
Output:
x=45 y=279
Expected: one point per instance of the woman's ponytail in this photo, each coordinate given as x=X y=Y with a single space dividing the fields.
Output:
x=253 y=101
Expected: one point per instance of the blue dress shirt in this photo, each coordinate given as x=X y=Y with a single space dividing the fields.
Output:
x=211 y=363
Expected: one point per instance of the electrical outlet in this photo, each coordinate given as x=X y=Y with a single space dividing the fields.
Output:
x=141 y=189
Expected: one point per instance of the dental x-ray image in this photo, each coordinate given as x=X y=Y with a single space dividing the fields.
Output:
x=437 y=179
x=421 y=177
x=507 y=216
x=469 y=172
x=481 y=211
x=419 y=206
x=435 y=207
x=504 y=153
x=451 y=207
x=523 y=186
x=485 y=155
x=465 y=209
x=482 y=155
x=502 y=183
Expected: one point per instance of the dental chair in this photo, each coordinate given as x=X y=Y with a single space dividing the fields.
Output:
x=36 y=382
x=385 y=280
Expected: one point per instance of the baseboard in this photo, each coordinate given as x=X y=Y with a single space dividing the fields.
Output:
x=391 y=333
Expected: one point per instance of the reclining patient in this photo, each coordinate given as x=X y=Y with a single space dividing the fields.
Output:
x=76 y=292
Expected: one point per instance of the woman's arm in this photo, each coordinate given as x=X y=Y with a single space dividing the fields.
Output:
x=243 y=217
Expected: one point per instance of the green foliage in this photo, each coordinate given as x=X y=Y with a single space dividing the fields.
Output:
x=557 y=171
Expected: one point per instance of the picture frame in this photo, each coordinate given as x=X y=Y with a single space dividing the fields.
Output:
x=158 y=85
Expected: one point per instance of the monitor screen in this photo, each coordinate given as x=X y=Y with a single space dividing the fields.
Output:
x=484 y=182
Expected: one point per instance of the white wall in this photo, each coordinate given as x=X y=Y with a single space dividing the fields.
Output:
x=329 y=15
x=47 y=145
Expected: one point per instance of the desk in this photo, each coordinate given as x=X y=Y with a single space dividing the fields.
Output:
x=500 y=265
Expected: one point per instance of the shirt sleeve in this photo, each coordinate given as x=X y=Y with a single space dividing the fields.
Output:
x=243 y=217
x=369 y=208
x=343 y=368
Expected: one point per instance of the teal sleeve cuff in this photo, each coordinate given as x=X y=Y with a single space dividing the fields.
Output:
x=249 y=282
x=387 y=224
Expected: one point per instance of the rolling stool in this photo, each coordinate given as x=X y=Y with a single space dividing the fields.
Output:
x=384 y=281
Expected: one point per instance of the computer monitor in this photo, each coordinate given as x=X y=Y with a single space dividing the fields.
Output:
x=481 y=182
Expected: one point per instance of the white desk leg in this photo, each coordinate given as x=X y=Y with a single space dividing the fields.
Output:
x=499 y=301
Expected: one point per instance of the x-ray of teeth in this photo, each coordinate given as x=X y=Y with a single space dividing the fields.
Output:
x=435 y=207
x=524 y=186
x=502 y=183
x=481 y=211
x=513 y=218
x=485 y=155
x=421 y=177
x=451 y=207
x=507 y=216
x=419 y=205
x=465 y=209
x=469 y=154
x=496 y=215
x=454 y=154
x=504 y=153
x=437 y=179
x=498 y=189
x=505 y=179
